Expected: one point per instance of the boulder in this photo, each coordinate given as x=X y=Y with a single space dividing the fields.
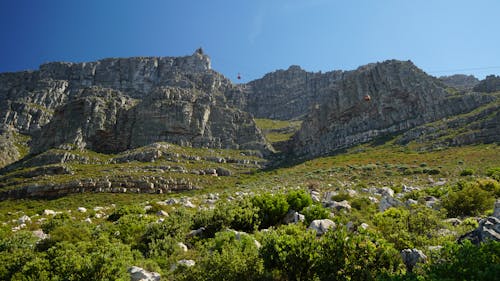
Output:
x=322 y=226
x=182 y=246
x=411 y=257
x=387 y=202
x=48 y=212
x=140 y=274
x=23 y=220
x=338 y=206
x=488 y=229
x=293 y=217
x=182 y=263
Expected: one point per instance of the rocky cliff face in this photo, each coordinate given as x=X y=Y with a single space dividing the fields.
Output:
x=377 y=100
x=115 y=104
x=286 y=94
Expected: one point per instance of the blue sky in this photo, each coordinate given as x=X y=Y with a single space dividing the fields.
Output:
x=254 y=37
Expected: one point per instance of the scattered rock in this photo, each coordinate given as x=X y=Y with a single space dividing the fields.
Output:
x=23 y=220
x=342 y=205
x=453 y=221
x=387 y=202
x=162 y=213
x=140 y=274
x=488 y=229
x=411 y=257
x=47 y=212
x=196 y=232
x=82 y=209
x=293 y=217
x=40 y=234
x=183 y=263
x=322 y=226
x=182 y=246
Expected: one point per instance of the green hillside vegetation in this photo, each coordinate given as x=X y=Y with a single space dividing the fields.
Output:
x=277 y=130
x=241 y=216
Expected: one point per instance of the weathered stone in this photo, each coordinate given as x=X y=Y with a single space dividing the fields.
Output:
x=411 y=257
x=140 y=274
x=339 y=206
x=182 y=246
x=488 y=229
x=293 y=217
x=322 y=226
x=387 y=202
x=183 y=263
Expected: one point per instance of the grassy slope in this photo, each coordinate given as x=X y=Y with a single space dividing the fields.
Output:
x=363 y=166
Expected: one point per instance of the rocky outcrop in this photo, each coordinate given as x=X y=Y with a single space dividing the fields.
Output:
x=411 y=257
x=460 y=81
x=488 y=229
x=489 y=85
x=374 y=101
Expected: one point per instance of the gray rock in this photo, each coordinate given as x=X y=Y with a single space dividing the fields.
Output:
x=182 y=246
x=339 y=206
x=183 y=263
x=453 y=221
x=48 y=212
x=387 y=202
x=162 y=213
x=23 y=220
x=496 y=209
x=293 y=217
x=322 y=226
x=140 y=274
x=488 y=229
x=411 y=257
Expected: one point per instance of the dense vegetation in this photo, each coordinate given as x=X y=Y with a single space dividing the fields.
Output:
x=240 y=233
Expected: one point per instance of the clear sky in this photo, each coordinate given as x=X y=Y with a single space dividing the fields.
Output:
x=254 y=37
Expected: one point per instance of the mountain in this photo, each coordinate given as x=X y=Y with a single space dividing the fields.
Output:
x=113 y=105
x=58 y=123
x=375 y=101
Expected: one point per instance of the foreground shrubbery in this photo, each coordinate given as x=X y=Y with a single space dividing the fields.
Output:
x=226 y=246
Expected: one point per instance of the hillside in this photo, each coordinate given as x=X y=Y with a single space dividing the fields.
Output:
x=137 y=168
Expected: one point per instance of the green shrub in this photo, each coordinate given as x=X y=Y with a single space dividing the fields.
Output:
x=471 y=200
x=467 y=262
x=467 y=172
x=341 y=196
x=298 y=199
x=127 y=210
x=292 y=252
x=55 y=221
x=315 y=212
x=272 y=208
x=494 y=173
x=226 y=258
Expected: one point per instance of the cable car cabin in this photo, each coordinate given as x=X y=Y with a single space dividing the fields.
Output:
x=239 y=76
x=367 y=98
